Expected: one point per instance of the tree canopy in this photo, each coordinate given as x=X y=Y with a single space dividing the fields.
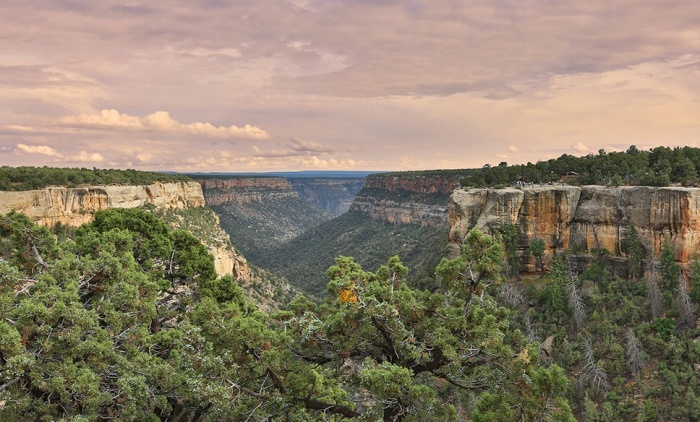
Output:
x=28 y=178
x=126 y=320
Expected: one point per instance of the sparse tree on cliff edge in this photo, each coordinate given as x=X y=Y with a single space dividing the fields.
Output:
x=686 y=307
x=654 y=295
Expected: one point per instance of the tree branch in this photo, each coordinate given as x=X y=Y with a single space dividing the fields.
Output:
x=387 y=338
x=314 y=404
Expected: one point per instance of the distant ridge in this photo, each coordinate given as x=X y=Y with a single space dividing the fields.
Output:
x=309 y=174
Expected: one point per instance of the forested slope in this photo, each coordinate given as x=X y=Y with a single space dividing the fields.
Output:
x=304 y=259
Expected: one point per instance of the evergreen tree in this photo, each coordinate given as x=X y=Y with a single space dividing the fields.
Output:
x=635 y=252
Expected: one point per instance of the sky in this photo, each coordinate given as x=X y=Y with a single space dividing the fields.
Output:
x=286 y=85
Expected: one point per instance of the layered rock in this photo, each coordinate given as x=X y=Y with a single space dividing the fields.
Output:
x=76 y=206
x=412 y=199
x=244 y=190
x=584 y=218
x=332 y=195
x=400 y=210
x=417 y=183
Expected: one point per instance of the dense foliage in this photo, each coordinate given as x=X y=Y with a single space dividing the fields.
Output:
x=629 y=346
x=268 y=290
x=27 y=178
x=304 y=259
x=125 y=320
x=257 y=227
x=660 y=166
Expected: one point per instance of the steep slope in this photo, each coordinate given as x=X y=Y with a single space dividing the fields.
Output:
x=392 y=215
x=584 y=218
x=412 y=198
x=260 y=212
x=75 y=206
x=304 y=260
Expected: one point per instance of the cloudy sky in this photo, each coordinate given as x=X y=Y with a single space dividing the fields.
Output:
x=268 y=85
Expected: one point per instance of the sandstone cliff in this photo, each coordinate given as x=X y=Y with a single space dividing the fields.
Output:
x=75 y=206
x=244 y=190
x=410 y=199
x=417 y=183
x=584 y=218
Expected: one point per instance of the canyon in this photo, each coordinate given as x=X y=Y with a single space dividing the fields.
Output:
x=332 y=195
x=579 y=219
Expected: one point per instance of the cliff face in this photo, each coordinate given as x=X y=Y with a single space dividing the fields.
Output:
x=584 y=218
x=241 y=191
x=75 y=206
x=400 y=210
x=419 y=199
x=413 y=183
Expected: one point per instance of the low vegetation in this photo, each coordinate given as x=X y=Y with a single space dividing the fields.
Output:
x=257 y=227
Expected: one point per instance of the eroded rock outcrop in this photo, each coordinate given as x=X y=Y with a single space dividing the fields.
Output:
x=413 y=199
x=76 y=206
x=332 y=195
x=584 y=218
x=245 y=190
x=417 y=183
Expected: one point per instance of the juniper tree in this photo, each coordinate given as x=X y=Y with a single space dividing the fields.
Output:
x=406 y=342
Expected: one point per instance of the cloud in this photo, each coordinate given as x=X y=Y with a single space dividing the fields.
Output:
x=39 y=149
x=581 y=147
x=371 y=81
x=144 y=157
x=295 y=148
x=303 y=147
x=160 y=121
x=86 y=157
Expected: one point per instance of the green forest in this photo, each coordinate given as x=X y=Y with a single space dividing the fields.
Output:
x=125 y=319
x=304 y=259
x=28 y=178
x=660 y=166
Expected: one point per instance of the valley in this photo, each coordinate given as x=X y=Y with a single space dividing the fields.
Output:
x=350 y=298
